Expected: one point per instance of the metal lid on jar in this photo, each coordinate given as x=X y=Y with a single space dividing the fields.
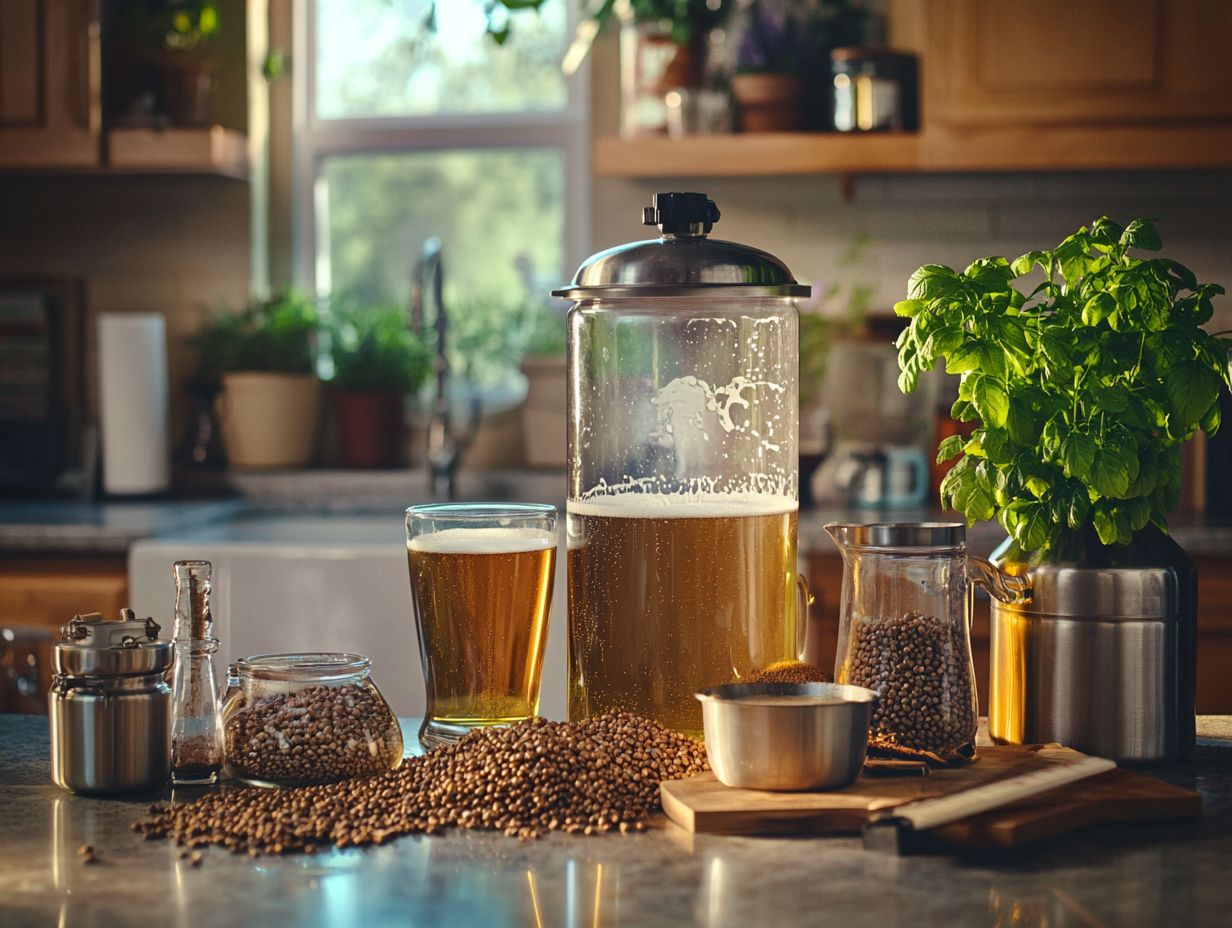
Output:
x=683 y=261
x=924 y=536
x=91 y=646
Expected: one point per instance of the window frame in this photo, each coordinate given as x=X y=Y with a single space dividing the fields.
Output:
x=315 y=139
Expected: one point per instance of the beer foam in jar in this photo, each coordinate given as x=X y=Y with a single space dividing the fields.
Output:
x=483 y=541
x=683 y=505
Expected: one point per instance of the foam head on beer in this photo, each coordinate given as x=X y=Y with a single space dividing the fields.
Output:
x=483 y=541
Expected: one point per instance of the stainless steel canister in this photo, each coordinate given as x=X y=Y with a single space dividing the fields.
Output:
x=1103 y=658
x=110 y=706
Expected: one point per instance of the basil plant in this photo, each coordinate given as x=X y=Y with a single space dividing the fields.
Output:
x=1085 y=369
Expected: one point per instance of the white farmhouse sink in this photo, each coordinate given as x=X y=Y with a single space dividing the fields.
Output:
x=316 y=582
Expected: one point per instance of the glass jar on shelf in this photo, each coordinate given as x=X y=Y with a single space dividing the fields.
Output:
x=300 y=719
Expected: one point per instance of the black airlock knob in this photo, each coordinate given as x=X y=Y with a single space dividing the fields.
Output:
x=681 y=213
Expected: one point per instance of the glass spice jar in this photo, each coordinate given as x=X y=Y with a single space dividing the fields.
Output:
x=300 y=719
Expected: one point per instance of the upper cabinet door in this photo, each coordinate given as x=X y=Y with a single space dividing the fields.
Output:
x=50 y=77
x=1077 y=61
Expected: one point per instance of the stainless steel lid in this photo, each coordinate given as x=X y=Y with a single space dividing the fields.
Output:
x=92 y=646
x=924 y=536
x=1106 y=593
x=682 y=262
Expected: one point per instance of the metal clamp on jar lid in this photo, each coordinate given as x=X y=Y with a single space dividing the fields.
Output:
x=683 y=261
x=110 y=705
x=92 y=646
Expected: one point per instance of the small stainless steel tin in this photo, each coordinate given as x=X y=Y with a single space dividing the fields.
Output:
x=786 y=736
x=110 y=706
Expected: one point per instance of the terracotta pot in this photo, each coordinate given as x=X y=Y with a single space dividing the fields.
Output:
x=543 y=413
x=369 y=427
x=268 y=421
x=769 y=102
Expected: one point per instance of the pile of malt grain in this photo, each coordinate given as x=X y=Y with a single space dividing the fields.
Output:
x=789 y=672
x=525 y=780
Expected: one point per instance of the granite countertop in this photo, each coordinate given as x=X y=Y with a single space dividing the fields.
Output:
x=1157 y=874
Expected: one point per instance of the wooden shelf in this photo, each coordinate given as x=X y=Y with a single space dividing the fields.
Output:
x=209 y=150
x=939 y=149
x=753 y=154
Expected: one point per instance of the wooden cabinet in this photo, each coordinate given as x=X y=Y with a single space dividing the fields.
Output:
x=1011 y=85
x=50 y=84
x=41 y=595
x=1050 y=62
x=825 y=575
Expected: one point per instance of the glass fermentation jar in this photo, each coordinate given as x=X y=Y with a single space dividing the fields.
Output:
x=904 y=631
x=298 y=719
x=683 y=468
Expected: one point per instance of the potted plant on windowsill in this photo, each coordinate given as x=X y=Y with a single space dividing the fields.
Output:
x=377 y=363
x=1084 y=388
x=264 y=358
x=544 y=410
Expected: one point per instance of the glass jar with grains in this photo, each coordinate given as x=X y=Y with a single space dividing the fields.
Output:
x=904 y=632
x=296 y=719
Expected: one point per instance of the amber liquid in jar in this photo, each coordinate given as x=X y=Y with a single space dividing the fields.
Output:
x=482 y=598
x=669 y=597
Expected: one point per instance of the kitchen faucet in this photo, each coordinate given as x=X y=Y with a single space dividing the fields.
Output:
x=445 y=442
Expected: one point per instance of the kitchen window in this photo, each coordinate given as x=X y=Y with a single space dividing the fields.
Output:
x=405 y=131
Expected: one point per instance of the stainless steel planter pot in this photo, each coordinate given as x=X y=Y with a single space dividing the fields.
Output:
x=1103 y=658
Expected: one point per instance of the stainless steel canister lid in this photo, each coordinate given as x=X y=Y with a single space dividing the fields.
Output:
x=94 y=647
x=925 y=536
x=682 y=262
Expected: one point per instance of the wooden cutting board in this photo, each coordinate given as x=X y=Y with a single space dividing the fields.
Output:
x=703 y=804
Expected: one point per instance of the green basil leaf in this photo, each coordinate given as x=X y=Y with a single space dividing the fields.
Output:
x=1191 y=388
x=933 y=281
x=1099 y=307
x=909 y=307
x=966 y=357
x=909 y=376
x=963 y=411
x=1141 y=234
x=1023 y=263
x=991 y=401
x=951 y=447
x=1021 y=422
x=946 y=339
x=1077 y=455
x=1112 y=471
x=1105 y=231
x=1210 y=422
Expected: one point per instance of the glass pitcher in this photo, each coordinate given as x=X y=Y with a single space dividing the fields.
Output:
x=683 y=468
x=904 y=631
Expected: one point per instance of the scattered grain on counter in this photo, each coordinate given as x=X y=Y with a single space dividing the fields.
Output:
x=594 y=776
x=789 y=672
x=917 y=665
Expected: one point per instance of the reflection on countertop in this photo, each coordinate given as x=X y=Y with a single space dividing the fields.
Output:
x=1146 y=874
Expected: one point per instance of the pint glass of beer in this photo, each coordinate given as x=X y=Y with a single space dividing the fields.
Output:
x=481 y=583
